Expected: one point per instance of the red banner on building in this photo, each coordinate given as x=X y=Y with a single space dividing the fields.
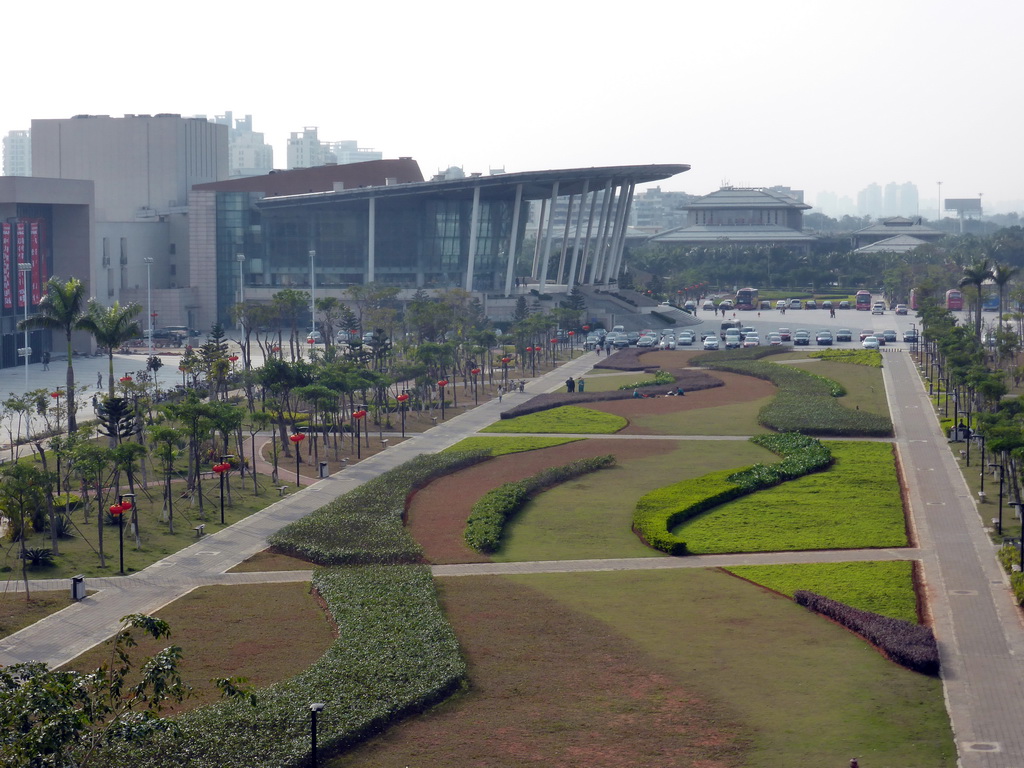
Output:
x=20 y=245
x=33 y=247
x=5 y=248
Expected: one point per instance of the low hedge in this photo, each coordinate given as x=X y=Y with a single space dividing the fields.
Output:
x=869 y=357
x=806 y=403
x=395 y=655
x=910 y=645
x=365 y=525
x=661 y=378
x=487 y=520
x=1009 y=556
x=658 y=512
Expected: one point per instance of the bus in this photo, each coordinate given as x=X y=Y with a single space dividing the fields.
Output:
x=954 y=299
x=746 y=298
x=990 y=303
x=913 y=299
x=864 y=300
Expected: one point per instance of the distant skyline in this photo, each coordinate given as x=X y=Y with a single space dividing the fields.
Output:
x=819 y=97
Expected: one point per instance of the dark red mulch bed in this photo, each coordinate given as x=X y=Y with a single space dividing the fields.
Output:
x=627 y=359
x=689 y=380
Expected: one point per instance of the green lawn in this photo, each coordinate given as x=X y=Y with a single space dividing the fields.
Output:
x=865 y=389
x=856 y=503
x=590 y=517
x=499 y=446
x=883 y=587
x=809 y=692
x=613 y=382
x=566 y=419
x=736 y=419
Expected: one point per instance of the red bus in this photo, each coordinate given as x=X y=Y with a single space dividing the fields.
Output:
x=913 y=298
x=954 y=299
x=746 y=298
x=864 y=300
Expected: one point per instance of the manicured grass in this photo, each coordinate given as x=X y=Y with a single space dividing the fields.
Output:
x=806 y=691
x=17 y=612
x=610 y=383
x=735 y=419
x=886 y=588
x=591 y=516
x=854 y=504
x=499 y=446
x=869 y=357
x=567 y=418
x=865 y=390
x=78 y=555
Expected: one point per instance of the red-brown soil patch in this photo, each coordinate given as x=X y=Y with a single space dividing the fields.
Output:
x=737 y=389
x=552 y=687
x=437 y=514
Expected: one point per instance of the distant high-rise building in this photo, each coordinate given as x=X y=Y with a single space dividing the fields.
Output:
x=900 y=199
x=910 y=204
x=869 y=201
x=18 y=153
x=347 y=152
x=248 y=153
x=655 y=210
x=306 y=150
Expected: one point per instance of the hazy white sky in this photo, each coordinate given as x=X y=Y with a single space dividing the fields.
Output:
x=814 y=94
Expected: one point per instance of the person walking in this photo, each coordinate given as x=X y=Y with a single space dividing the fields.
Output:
x=46 y=361
x=99 y=380
x=501 y=392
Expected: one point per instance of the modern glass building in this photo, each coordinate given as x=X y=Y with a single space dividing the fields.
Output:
x=390 y=227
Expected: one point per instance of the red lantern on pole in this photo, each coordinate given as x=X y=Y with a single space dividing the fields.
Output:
x=125 y=379
x=233 y=358
x=297 y=438
x=402 y=400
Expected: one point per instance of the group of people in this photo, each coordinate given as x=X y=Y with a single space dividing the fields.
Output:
x=575 y=385
x=677 y=392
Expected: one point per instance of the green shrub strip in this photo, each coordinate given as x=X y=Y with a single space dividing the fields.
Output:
x=500 y=446
x=396 y=654
x=487 y=519
x=869 y=357
x=658 y=512
x=806 y=403
x=661 y=378
x=565 y=419
x=365 y=525
x=1009 y=556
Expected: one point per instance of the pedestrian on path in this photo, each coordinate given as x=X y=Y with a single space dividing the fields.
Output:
x=46 y=361
x=99 y=380
x=501 y=392
x=570 y=385
x=522 y=385
x=579 y=384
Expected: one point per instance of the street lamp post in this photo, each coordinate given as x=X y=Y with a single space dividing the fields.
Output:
x=314 y=710
x=118 y=510
x=222 y=470
x=357 y=417
x=981 y=439
x=297 y=438
x=240 y=258
x=148 y=261
x=476 y=386
x=999 y=520
x=402 y=400
x=441 y=385
x=312 y=287
x=24 y=267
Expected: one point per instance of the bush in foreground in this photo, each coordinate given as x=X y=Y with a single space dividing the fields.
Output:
x=487 y=520
x=909 y=645
x=396 y=655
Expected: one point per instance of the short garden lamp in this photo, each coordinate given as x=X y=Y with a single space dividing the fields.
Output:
x=402 y=400
x=222 y=470
x=314 y=710
x=123 y=505
x=441 y=385
x=572 y=338
x=297 y=438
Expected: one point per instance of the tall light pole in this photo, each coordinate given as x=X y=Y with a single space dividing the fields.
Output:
x=240 y=258
x=149 y=299
x=939 y=218
x=312 y=288
x=24 y=267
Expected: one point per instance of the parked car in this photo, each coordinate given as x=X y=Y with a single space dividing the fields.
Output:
x=765 y=305
x=878 y=308
x=780 y=304
x=881 y=339
x=844 y=334
x=826 y=305
x=710 y=343
x=802 y=338
x=901 y=309
x=910 y=336
x=889 y=336
x=796 y=304
x=774 y=340
x=725 y=304
x=823 y=339
x=690 y=305
x=632 y=337
x=646 y=342
x=685 y=338
x=733 y=339
x=865 y=333
x=708 y=305
x=751 y=340
x=870 y=342
x=314 y=336
x=844 y=304
x=810 y=304
x=785 y=334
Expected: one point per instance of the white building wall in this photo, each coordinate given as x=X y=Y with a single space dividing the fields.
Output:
x=18 y=154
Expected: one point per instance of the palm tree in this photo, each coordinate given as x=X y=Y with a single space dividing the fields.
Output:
x=111 y=327
x=1001 y=275
x=61 y=309
x=976 y=274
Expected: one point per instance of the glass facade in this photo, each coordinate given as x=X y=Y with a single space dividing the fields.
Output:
x=238 y=231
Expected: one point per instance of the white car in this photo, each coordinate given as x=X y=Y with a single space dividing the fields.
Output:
x=871 y=342
x=751 y=340
x=315 y=337
x=711 y=343
x=878 y=308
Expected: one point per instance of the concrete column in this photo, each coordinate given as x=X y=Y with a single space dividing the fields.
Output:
x=565 y=238
x=513 y=240
x=537 y=242
x=547 y=240
x=474 y=226
x=571 y=281
x=617 y=264
x=586 y=240
x=617 y=233
x=601 y=252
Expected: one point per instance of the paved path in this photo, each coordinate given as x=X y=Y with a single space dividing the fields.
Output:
x=978 y=626
x=981 y=640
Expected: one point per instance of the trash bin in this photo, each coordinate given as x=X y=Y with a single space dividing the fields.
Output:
x=78 y=587
x=323 y=469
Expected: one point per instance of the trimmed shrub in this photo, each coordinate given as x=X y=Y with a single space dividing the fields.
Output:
x=658 y=512
x=909 y=645
x=365 y=525
x=396 y=655
x=561 y=420
x=487 y=520
x=661 y=378
x=869 y=357
x=67 y=501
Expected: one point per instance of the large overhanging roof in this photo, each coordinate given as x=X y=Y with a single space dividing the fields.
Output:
x=537 y=185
